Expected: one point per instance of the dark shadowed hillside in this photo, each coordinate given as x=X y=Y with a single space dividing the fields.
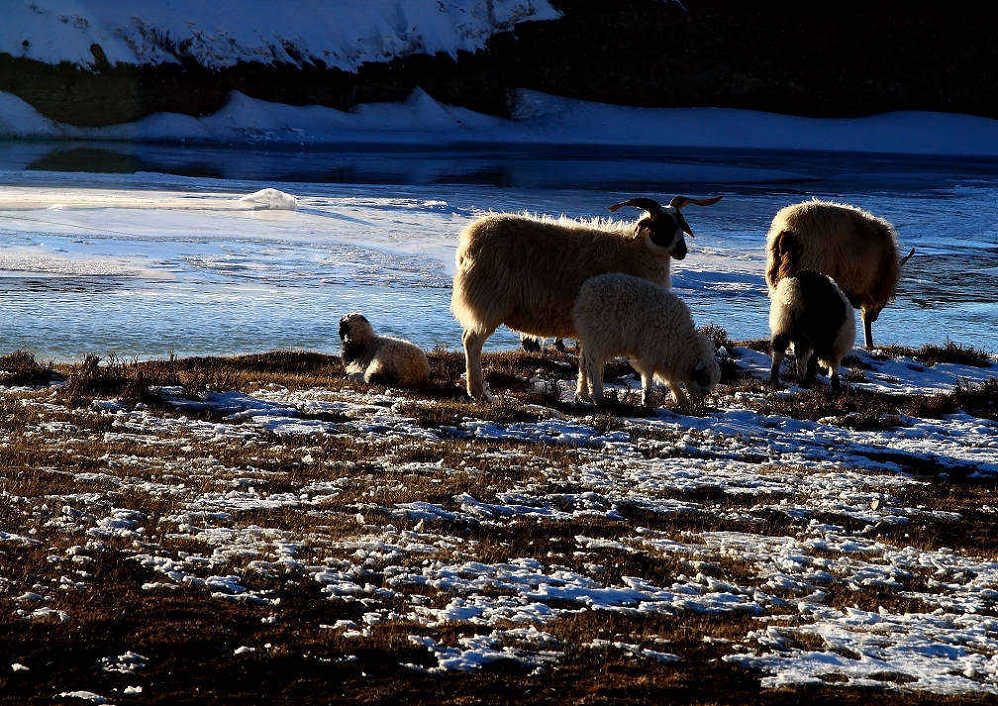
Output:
x=800 y=58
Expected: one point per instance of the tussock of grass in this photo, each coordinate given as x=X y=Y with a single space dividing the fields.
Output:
x=978 y=400
x=717 y=335
x=114 y=378
x=21 y=369
x=932 y=354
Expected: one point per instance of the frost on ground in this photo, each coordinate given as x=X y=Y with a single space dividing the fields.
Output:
x=218 y=529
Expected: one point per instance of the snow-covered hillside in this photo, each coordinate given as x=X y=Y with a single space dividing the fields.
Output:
x=342 y=34
x=538 y=119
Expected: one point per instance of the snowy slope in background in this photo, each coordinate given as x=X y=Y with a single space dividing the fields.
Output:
x=538 y=119
x=342 y=34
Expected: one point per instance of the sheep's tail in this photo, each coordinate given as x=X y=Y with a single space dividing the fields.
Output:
x=784 y=257
x=462 y=299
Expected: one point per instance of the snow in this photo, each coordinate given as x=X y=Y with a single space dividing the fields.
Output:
x=218 y=34
x=271 y=199
x=537 y=119
x=81 y=695
x=830 y=486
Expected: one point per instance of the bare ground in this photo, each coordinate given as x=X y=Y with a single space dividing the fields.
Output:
x=258 y=529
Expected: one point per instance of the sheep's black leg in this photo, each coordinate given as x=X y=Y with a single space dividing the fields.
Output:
x=779 y=345
x=812 y=370
x=867 y=328
x=803 y=356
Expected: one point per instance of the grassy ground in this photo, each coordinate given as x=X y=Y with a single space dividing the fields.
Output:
x=224 y=552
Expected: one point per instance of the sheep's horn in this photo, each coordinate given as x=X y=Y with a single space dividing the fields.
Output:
x=682 y=201
x=650 y=205
x=906 y=258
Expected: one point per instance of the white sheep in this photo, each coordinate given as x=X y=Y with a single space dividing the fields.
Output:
x=852 y=246
x=381 y=360
x=620 y=315
x=526 y=272
x=809 y=311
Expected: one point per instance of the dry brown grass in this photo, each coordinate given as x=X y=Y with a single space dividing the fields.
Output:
x=930 y=354
x=21 y=369
x=189 y=637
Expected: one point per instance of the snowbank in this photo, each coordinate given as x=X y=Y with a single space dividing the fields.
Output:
x=537 y=119
x=270 y=200
x=342 y=34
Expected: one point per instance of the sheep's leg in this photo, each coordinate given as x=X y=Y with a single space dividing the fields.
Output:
x=473 y=341
x=868 y=327
x=594 y=371
x=779 y=346
x=646 y=386
x=833 y=375
x=678 y=394
x=647 y=374
x=812 y=369
x=582 y=390
x=559 y=345
x=803 y=358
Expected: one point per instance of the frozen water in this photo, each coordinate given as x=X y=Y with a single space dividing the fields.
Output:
x=151 y=250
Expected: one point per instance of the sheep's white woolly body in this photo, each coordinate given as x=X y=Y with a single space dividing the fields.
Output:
x=617 y=314
x=381 y=358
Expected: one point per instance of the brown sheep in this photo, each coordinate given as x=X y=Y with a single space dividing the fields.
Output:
x=853 y=247
x=526 y=272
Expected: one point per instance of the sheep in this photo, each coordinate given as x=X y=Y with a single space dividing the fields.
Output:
x=811 y=312
x=380 y=360
x=855 y=248
x=525 y=272
x=616 y=314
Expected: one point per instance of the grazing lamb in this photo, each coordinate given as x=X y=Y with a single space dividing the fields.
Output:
x=381 y=360
x=617 y=314
x=526 y=272
x=855 y=248
x=811 y=312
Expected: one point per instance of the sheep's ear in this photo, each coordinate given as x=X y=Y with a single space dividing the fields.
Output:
x=683 y=224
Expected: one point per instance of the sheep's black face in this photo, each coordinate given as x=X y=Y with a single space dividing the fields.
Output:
x=667 y=231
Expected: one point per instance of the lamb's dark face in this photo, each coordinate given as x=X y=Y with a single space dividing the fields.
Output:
x=353 y=326
x=667 y=230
